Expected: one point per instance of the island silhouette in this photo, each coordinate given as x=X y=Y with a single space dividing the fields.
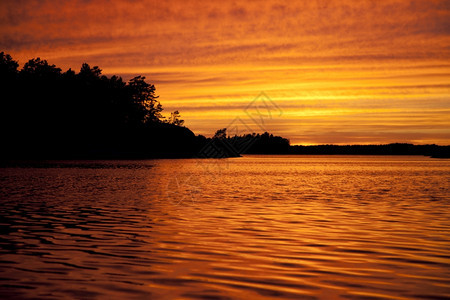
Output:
x=46 y=113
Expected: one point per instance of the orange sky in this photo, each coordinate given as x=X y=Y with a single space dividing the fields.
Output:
x=342 y=72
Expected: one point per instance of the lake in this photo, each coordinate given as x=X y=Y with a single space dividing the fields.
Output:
x=255 y=227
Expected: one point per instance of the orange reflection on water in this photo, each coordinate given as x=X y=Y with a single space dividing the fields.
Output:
x=253 y=227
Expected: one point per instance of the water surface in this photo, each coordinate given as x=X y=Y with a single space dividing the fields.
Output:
x=261 y=227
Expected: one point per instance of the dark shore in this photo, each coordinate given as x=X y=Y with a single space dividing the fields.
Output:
x=47 y=114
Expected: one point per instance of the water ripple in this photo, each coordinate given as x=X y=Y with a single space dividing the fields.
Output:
x=256 y=227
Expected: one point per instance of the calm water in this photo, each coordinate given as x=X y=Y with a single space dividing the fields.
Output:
x=256 y=227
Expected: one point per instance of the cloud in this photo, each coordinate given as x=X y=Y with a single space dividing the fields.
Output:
x=342 y=54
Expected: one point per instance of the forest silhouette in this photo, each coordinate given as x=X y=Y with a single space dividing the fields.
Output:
x=46 y=113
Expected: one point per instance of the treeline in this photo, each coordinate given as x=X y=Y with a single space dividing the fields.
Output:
x=48 y=113
x=45 y=112
x=261 y=143
x=389 y=149
x=223 y=145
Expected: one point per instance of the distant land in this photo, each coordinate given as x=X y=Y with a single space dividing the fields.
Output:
x=389 y=149
x=49 y=114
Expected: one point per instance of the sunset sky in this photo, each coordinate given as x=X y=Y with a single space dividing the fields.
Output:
x=335 y=71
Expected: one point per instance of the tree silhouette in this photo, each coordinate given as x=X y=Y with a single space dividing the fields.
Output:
x=89 y=73
x=175 y=119
x=220 y=134
x=148 y=108
x=8 y=67
x=40 y=69
x=45 y=112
